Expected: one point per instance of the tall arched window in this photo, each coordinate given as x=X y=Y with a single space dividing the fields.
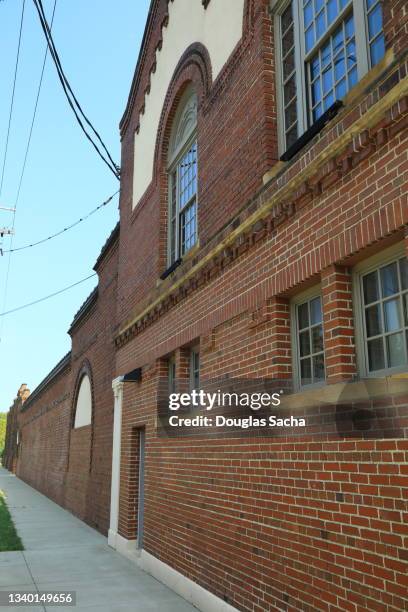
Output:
x=182 y=171
x=83 y=407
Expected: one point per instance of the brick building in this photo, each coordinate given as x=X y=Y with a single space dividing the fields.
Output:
x=262 y=235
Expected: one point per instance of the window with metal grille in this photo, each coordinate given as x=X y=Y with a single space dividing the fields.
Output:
x=308 y=323
x=325 y=47
x=384 y=295
x=183 y=180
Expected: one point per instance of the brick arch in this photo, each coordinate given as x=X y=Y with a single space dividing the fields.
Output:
x=84 y=370
x=79 y=465
x=193 y=68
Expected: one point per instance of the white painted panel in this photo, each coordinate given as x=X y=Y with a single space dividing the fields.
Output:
x=218 y=28
x=83 y=411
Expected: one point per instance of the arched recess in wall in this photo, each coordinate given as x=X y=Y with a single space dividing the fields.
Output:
x=189 y=86
x=83 y=398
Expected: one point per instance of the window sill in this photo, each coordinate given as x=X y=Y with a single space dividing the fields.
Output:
x=354 y=96
x=369 y=388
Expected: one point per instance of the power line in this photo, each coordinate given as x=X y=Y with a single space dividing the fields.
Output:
x=71 y=98
x=65 y=229
x=12 y=97
x=47 y=297
x=35 y=111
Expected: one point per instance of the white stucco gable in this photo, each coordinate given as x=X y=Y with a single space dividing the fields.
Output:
x=218 y=28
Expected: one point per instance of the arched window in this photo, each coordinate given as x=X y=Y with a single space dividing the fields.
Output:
x=182 y=171
x=83 y=407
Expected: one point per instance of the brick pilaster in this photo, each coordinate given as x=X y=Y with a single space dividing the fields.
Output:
x=338 y=324
x=278 y=312
x=182 y=357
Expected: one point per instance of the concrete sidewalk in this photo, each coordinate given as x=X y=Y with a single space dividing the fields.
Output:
x=62 y=553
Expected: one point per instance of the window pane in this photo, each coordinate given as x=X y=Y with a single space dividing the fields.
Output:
x=370 y=285
x=392 y=315
x=377 y=50
x=331 y=11
x=317 y=339
x=306 y=371
x=308 y=13
x=286 y=18
x=395 y=350
x=309 y=38
x=375 y=21
x=287 y=42
x=292 y=136
x=403 y=264
x=328 y=68
x=315 y=311
x=375 y=354
x=320 y=25
x=304 y=343
x=389 y=280
x=373 y=321
x=303 y=316
x=288 y=65
x=290 y=114
x=318 y=367
x=289 y=90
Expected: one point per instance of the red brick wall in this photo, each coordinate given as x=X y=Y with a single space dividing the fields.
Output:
x=236 y=144
x=73 y=466
x=289 y=524
x=44 y=439
x=313 y=523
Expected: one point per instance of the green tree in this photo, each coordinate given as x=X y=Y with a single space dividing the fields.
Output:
x=3 y=422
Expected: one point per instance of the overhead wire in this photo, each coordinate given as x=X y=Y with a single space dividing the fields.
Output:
x=35 y=111
x=65 y=229
x=12 y=97
x=71 y=98
x=47 y=297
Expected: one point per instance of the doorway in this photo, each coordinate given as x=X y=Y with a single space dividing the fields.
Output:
x=141 y=481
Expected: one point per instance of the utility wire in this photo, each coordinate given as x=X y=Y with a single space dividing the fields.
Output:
x=47 y=297
x=35 y=111
x=12 y=97
x=71 y=98
x=92 y=212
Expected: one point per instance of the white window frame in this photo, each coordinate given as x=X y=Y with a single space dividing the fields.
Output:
x=301 y=57
x=297 y=300
x=194 y=351
x=375 y=262
x=174 y=168
x=171 y=374
x=183 y=136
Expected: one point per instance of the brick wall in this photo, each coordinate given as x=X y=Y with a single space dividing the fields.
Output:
x=312 y=522
x=44 y=438
x=294 y=523
x=73 y=466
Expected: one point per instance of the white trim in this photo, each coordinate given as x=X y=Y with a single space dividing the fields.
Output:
x=363 y=62
x=176 y=581
x=301 y=298
x=117 y=386
x=378 y=260
x=183 y=586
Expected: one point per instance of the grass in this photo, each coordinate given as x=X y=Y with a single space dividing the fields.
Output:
x=9 y=539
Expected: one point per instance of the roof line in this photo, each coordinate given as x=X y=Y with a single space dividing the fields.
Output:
x=58 y=369
x=136 y=74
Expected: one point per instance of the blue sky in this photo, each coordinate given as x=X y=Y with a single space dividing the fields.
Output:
x=98 y=42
